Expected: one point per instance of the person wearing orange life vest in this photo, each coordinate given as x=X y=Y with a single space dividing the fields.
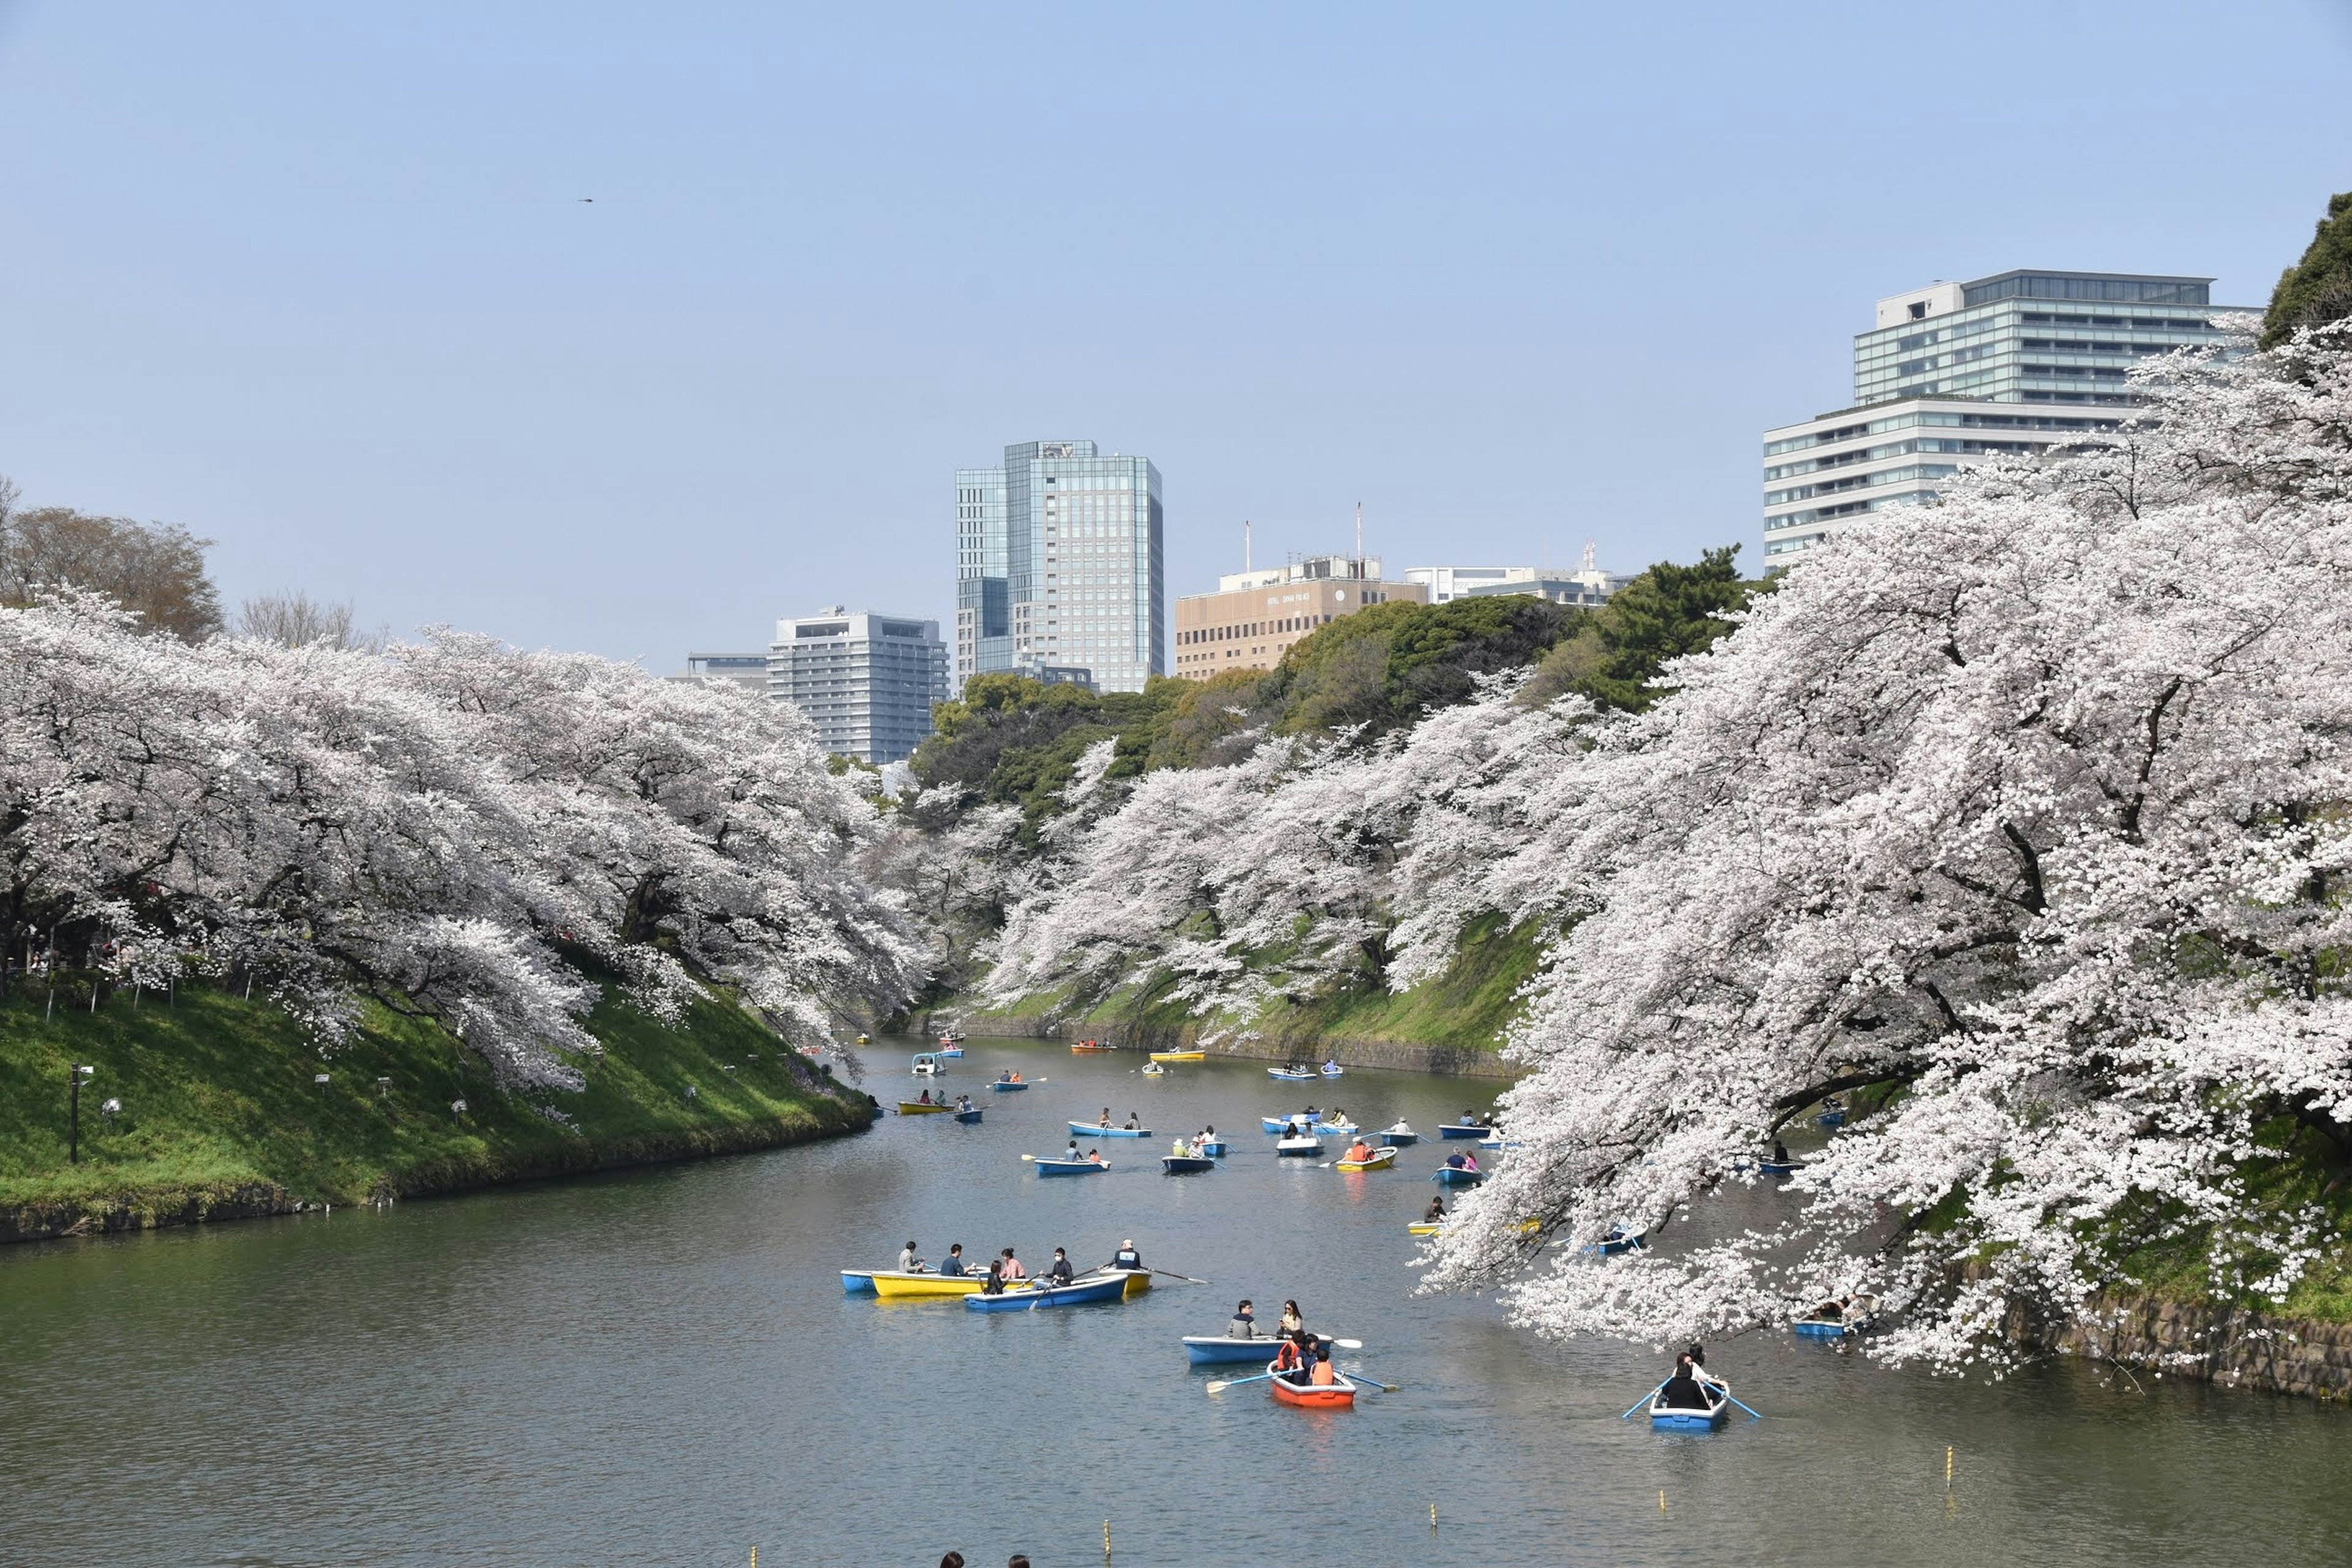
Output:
x=1358 y=1151
x=1324 y=1374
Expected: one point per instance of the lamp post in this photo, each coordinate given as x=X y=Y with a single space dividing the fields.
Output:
x=73 y=1131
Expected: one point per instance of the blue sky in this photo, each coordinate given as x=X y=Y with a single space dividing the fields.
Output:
x=316 y=282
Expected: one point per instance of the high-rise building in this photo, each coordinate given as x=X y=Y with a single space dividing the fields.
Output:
x=866 y=682
x=1058 y=565
x=1252 y=619
x=1955 y=373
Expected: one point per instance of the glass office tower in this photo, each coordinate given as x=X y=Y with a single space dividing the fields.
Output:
x=1059 y=566
x=1951 y=374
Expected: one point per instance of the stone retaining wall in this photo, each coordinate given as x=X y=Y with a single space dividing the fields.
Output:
x=2231 y=1346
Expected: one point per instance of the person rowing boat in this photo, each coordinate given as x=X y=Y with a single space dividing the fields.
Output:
x=1434 y=1212
x=952 y=1266
x=1127 y=1257
x=1358 y=1153
x=1104 y=1120
x=1684 y=1390
x=908 y=1263
x=1008 y=1076
x=1059 y=1271
x=1245 y=1323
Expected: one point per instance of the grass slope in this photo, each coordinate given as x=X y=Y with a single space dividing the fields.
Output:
x=218 y=1097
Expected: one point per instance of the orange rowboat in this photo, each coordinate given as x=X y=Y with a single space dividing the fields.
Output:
x=1090 y=1046
x=1339 y=1395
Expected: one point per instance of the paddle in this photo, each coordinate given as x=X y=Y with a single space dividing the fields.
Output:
x=1644 y=1400
x=1734 y=1398
x=1221 y=1386
x=1368 y=1381
x=1186 y=1278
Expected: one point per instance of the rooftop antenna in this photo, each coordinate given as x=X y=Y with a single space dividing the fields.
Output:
x=1360 y=539
x=1246 y=544
x=1591 y=552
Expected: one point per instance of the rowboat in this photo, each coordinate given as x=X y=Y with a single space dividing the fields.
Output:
x=1425 y=1227
x=1153 y=1069
x=1212 y=1147
x=1457 y=1176
x=1821 y=1328
x=1615 y=1242
x=949 y=1048
x=926 y=1064
x=1832 y=1118
x=1291 y=1075
x=1780 y=1167
x=1339 y=1395
x=1456 y=1130
x=1306 y=1147
x=1138 y=1280
x=1077 y=1293
x=917 y=1107
x=1664 y=1417
x=969 y=1116
x=1088 y=1130
x=1282 y=1123
x=1336 y=1129
x=1058 y=1167
x=1082 y=1047
x=1401 y=1134
x=1186 y=1164
x=1380 y=1159
x=1213 y=1350
x=1333 y=1069
x=1180 y=1056
x=892 y=1285
x=1000 y=1087
x=857 y=1281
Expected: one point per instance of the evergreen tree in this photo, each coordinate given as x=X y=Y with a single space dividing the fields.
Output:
x=2318 y=289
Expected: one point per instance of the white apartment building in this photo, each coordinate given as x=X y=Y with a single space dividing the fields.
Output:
x=866 y=682
x=1953 y=373
x=1587 y=584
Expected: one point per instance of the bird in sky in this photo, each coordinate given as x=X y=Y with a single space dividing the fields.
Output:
x=590 y=200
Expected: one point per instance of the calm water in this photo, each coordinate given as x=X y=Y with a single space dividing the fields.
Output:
x=660 y=1367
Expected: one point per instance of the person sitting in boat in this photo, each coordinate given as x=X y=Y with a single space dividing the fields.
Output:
x=907 y=1262
x=1780 y=1153
x=1207 y=1135
x=994 y=1284
x=1470 y=1163
x=1009 y=1268
x=1833 y=1312
x=1458 y=1161
x=1434 y=1212
x=1059 y=1271
x=1127 y=1257
x=1293 y=1129
x=1325 y=1375
x=1132 y=1124
x=1295 y=1356
x=1683 y=1391
x=1292 y=1320
x=1005 y=1077
x=952 y=1266
x=1245 y=1323
x=924 y=1098
x=1094 y=1157
x=1072 y=1152
x=1105 y=1121
x=1358 y=1151
x=963 y=1103
x=1470 y=1117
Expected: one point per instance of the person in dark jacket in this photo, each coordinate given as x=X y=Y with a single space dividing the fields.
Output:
x=1059 y=1271
x=1127 y=1257
x=952 y=1266
x=1683 y=1391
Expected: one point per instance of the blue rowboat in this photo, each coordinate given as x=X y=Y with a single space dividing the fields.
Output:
x=1821 y=1328
x=1211 y=1350
x=1401 y=1135
x=1088 y=1130
x=948 y=1051
x=969 y=1116
x=1212 y=1147
x=1075 y=1294
x=1454 y=1130
x=1185 y=1164
x=1456 y=1176
x=1282 y=1123
x=1291 y=1075
x=1056 y=1167
x=857 y=1281
x=1340 y=1128
x=1780 y=1167
x=1832 y=1118
x=1615 y=1243
x=1000 y=1087
x=1664 y=1417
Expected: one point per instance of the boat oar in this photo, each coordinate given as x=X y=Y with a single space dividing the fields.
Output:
x=1644 y=1400
x=1186 y=1278
x=1368 y=1381
x=1219 y=1387
x=1735 y=1399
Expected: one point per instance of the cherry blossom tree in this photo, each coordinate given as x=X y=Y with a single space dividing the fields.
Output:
x=2019 y=817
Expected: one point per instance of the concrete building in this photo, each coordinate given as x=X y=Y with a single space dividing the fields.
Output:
x=1254 y=616
x=1587 y=585
x=1953 y=373
x=866 y=682
x=747 y=670
x=1058 y=564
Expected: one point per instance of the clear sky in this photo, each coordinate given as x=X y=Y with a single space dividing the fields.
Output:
x=316 y=280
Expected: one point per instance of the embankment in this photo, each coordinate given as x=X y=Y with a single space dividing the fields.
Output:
x=220 y=1114
x=2235 y=1347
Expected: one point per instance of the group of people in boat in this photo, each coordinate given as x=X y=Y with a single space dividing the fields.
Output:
x=1006 y=1270
x=1008 y=1076
x=1071 y=1155
x=1461 y=1159
x=963 y=1102
x=1690 y=1388
x=1299 y=1357
x=1133 y=1125
x=1196 y=1146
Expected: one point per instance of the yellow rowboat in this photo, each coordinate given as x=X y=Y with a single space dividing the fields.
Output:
x=916 y=1107
x=1378 y=1160
x=1431 y=1227
x=1180 y=1056
x=1138 y=1280
x=893 y=1286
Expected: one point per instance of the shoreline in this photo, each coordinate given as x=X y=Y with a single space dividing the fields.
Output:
x=1392 y=1056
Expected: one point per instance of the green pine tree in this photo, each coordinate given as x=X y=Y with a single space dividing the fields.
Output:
x=2318 y=289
